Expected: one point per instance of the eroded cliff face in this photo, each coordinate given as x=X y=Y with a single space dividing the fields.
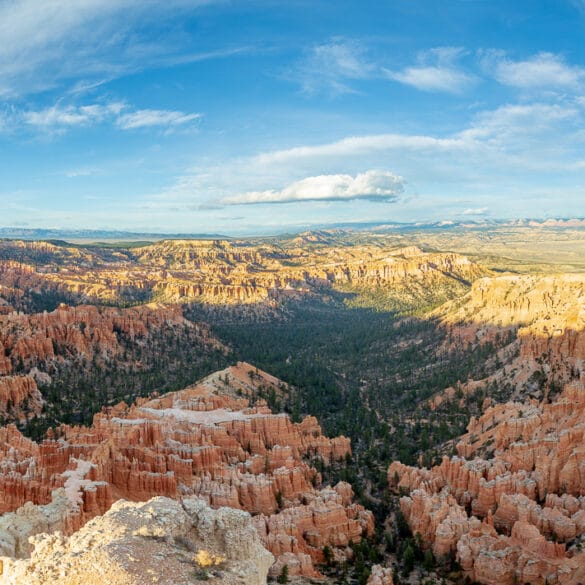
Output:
x=68 y=347
x=539 y=320
x=19 y=398
x=519 y=516
x=89 y=331
x=220 y=272
x=205 y=441
x=160 y=541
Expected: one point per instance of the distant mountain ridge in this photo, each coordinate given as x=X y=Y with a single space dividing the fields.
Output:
x=59 y=234
x=96 y=235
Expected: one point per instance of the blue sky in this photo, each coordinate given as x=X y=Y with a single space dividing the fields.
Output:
x=265 y=116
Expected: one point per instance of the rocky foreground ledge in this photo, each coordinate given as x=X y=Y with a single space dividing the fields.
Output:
x=161 y=541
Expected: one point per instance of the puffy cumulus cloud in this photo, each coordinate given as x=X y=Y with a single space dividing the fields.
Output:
x=437 y=71
x=544 y=70
x=372 y=185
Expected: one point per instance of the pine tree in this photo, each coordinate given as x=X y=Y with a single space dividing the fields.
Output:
x=408 y=560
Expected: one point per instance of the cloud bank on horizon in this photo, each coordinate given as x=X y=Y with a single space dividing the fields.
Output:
x=170 y=116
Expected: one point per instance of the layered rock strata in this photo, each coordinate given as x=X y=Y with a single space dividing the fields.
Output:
x=83 y=331
x=19 y=397
x=540 y=317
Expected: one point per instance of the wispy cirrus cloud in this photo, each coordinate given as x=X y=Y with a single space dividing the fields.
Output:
x=512 y=123
x=148 y=118
x=332 y=67
x=544 y=70
x=436 y=71
x=372 y=185
x=497 y=150
x=360 y=146
x=81 y=172
x=59 y=118
x=45 y=43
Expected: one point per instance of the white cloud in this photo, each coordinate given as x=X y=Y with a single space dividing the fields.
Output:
x=544 y=70
x=145 y=118
x=475 y=211
x=63 y=116
x=360 y=145
x=372 y=185
x=495 y=154
x=332 y=66
x=81 y=172
x=60 y=117
x=518 y=120
x=437 y=71
x=44 y=42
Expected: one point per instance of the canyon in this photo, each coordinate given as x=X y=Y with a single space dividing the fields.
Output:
x=460 y=384
x=221 y=272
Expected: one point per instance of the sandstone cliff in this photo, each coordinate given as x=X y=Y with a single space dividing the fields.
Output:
x=113 y=350
x=19 y=398
x=539 y=319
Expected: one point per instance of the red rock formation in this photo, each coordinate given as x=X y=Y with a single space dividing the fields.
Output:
x=531 y=492
x=85 y=330
x=207 y=441
x=19 y=397
x=544 y=314
x=304 y=530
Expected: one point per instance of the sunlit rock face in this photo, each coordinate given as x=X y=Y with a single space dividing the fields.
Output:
x=205 y=441
x=88 y=331
x=217 y=272
x=543 y=316
x=510 y=507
